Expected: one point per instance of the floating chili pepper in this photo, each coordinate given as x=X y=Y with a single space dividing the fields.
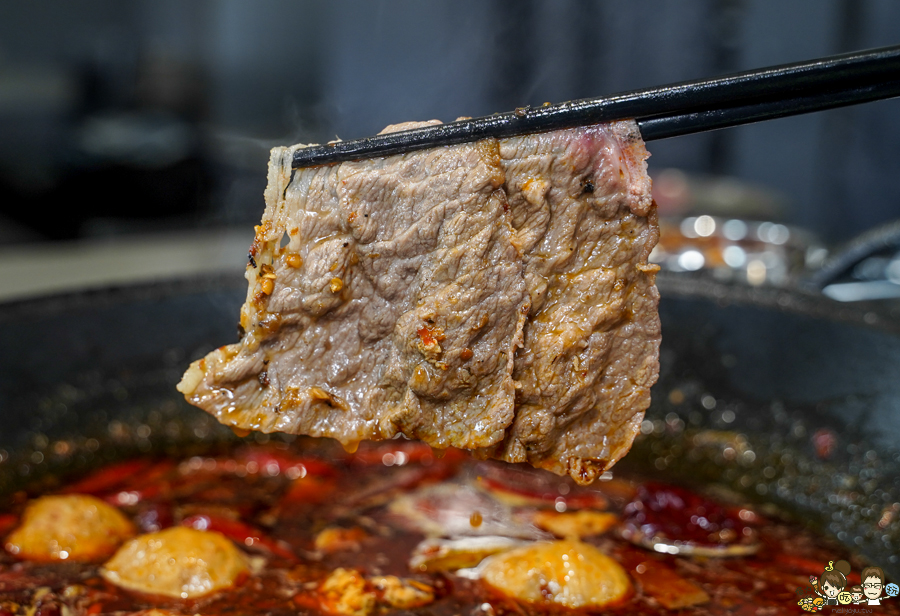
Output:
x=310 y=490
x=674 y=520
x=240 y=533
x=540 y=487
x=148 y=484
x=258 y=461
x=108 y=477
x=7 y=522
x=401 y=452
x=274 y=462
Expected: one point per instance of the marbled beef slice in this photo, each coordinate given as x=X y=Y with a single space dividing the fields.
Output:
x=493 y=296
x=586 y=223
x=385 y=296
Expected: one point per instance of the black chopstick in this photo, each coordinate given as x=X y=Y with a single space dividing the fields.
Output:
x=675 y=125
x=666 y=111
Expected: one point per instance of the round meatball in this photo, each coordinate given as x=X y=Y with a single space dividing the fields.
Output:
x=178 y=562
x=567 y=573
x=70 y=527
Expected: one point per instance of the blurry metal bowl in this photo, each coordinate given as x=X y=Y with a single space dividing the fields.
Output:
x=738 y=250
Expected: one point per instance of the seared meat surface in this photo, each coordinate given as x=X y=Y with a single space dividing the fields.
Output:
x=395 y=305
x=492 y=296
x=586 y=224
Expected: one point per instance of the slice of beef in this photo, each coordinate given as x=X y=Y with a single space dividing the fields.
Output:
x=493 y=296
x=395 y=304
x=586 y=224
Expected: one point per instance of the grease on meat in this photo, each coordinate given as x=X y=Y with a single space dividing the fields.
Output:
x=586 y=223
x=492 y=296
x=403 y=317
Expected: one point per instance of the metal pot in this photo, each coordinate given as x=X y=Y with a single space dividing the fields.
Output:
x=787 y=397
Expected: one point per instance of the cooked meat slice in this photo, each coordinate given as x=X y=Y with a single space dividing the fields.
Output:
x=585 y=221
x=493 y=296
x=395 y=304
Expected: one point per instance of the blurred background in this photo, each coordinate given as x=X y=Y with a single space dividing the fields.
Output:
x=134 y=135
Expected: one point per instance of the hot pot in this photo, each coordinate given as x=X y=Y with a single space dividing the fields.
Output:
x=788 y=398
